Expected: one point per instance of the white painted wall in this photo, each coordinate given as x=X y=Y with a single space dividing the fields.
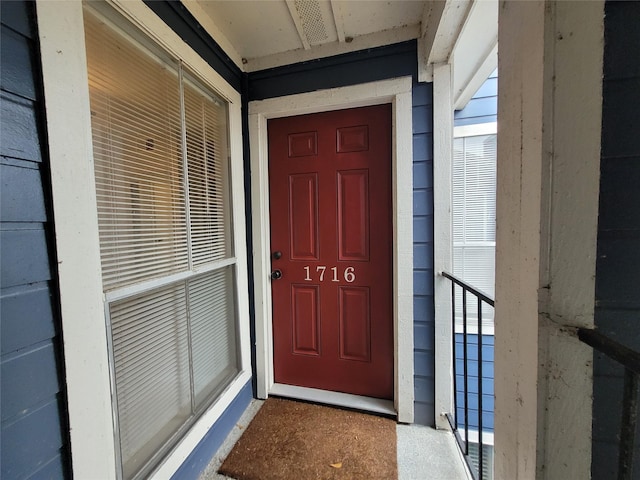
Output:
x=549 y=114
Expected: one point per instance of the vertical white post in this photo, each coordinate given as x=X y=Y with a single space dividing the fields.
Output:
x=442 y=242
x=549 y=106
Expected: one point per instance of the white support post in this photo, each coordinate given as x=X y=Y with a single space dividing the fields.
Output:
x=442 y=244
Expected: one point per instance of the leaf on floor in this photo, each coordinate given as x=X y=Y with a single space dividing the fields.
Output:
x=337 y=465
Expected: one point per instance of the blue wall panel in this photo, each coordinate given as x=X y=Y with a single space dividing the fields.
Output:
x=618 y=262
x=472 y=380
x=33 y=436
x=424 y=330
x=483 y=107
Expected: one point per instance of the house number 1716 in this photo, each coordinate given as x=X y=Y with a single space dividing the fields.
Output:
x=349 y=273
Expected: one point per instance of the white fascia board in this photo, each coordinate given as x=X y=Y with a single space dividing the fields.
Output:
x=205 y=20
x=362 y=42
x=444 y=22
x=467 y=89
x=475 y=54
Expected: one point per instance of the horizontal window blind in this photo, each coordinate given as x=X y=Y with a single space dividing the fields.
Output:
x=211 y=310
x=474 y=217
x=135 y=112
x=151 y=355
x=161 y=165
x=207 y=163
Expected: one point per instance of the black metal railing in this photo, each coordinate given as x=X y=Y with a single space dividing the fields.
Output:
x=630 y=360
x=476 y=468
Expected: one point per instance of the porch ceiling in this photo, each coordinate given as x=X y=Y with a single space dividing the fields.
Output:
x=260 y=34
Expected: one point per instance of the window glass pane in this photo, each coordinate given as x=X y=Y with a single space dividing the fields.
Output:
x=151 y=356
x=212 y=314
x=206 y=132
x=474 y=214
x=135 y=112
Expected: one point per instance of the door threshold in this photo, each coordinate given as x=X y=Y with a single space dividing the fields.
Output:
x=357 y=402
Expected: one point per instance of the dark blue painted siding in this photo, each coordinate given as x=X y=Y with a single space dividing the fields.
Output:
x=423 y=303
x=367 y=66
x=34 y=439
x=618 y=263
x=483 y=107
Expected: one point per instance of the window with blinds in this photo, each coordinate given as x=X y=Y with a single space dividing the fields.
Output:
x=160 y=140
x=474 y=216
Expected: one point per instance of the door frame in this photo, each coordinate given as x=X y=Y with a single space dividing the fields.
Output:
x=398 y=92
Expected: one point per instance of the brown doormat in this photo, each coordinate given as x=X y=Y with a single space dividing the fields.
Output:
x=290 y=440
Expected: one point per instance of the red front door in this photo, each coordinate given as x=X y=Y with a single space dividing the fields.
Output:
x=330 y=189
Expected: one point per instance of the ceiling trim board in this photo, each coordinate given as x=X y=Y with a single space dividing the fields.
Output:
x=363 y=42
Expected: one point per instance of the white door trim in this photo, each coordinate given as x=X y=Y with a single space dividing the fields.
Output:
x=398 y=93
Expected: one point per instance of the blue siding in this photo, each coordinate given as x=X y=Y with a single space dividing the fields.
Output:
x=618 y=264
x=483 y=107
x=424 y=330
x=366 y=66
x=472 y=381
x=34 y=440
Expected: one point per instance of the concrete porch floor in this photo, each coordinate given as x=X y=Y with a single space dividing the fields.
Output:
x=423 y=452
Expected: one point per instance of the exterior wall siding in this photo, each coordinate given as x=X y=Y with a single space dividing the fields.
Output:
x=483 y=106
x=423 y=299
x=368 y=66
x=34 y=441
x=472 y=381
x=617 y=310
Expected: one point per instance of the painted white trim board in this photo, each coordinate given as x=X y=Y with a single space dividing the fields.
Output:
x=398 y=93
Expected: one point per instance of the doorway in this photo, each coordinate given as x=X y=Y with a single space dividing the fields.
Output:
x=331 y=234
x=397 y=92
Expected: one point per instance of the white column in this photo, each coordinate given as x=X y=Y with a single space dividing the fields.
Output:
x=443 y=239
x=549 y=106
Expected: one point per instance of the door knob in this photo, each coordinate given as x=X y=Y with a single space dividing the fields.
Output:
x=277 y=255
x=276 y=274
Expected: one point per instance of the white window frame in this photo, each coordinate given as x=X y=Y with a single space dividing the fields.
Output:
x=398 y=93
x=87 y=373
x=479 y=129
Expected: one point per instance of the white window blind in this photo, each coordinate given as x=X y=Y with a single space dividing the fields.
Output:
x=474 y=217
x=162 y=185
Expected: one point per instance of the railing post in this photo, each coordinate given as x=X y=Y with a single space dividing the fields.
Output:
x=480 y=426
x=476 y=470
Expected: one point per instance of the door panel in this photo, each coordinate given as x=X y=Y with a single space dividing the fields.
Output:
x=303 y=212
x=330 y=212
